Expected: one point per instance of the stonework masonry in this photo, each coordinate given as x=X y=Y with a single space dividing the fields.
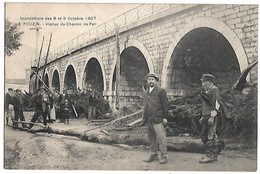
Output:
x=157 y=36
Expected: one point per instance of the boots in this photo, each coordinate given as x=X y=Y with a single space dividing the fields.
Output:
x=152 y=158
x=163 y=160
x=208 y=159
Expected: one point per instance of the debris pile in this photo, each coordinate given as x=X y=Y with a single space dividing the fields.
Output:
x=184 y=115
x=243 y=123
x=80 y=101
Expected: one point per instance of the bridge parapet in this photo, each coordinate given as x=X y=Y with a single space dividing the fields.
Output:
x=132 y=16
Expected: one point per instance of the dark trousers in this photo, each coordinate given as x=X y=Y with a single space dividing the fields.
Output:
x=62 y=118
x=208 y=136
x=18 y=114
x=36 y=116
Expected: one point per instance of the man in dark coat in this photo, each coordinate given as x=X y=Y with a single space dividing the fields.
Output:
x=92 y=105
x=155 y=113
x=61 y=103
x=211 y=100
x=9 y=107
x=18 y=108
x=42 y=103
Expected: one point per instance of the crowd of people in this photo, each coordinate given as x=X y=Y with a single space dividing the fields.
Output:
x=52 y=105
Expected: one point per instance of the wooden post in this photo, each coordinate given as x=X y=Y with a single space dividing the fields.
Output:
x=35 y=85
x=46 y=59
x=117 y=66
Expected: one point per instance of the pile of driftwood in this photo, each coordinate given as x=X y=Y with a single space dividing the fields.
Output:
x=79 y=101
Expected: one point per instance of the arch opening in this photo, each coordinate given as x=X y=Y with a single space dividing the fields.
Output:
x=133 y=68
x=93 y=77
x=56 y=81
x=70 y=82
x=46 y=80
x=202 y=50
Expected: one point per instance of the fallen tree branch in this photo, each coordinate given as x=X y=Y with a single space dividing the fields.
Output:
x=121 y=118
x=114 y=121
x=123 y=128
x=105 y=132
x=24 y=122
x=135 y=122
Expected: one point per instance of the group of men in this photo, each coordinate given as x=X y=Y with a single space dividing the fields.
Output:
x=85 y=103
x=41 y=100
x=14 y=107
x=155 y=113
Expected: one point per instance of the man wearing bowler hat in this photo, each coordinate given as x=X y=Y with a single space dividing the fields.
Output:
x=211 y=99
x=155 y=113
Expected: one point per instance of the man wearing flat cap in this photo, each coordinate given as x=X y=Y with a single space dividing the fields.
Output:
x=155 y=113
x=210 y=96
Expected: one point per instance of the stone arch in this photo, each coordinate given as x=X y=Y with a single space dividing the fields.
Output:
x=100 y=61
x=52 y=74
x=48 y=76
x=212 y=23
x=70 y=63
x=139 y=45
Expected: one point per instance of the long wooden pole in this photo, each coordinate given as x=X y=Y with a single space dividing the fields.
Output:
x=46 y=59
x=37 y=68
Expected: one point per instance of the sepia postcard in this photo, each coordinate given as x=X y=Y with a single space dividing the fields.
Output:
x=130 y=86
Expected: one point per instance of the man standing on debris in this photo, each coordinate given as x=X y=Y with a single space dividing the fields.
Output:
x=9 y=107
x=18 y=109
x=210 y=96
x=155 y=113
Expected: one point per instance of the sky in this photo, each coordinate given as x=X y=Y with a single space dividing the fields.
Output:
x=16 y=64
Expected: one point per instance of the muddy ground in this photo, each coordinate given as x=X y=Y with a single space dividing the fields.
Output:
x=24 y=150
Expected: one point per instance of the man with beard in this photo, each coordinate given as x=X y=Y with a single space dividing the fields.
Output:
x=155 y=113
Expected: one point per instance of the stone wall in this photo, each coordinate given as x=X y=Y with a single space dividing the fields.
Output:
x=157 y=36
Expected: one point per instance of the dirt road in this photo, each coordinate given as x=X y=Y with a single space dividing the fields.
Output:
x=25 y=150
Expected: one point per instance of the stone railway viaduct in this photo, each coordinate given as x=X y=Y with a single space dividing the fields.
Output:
x=178 y=42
